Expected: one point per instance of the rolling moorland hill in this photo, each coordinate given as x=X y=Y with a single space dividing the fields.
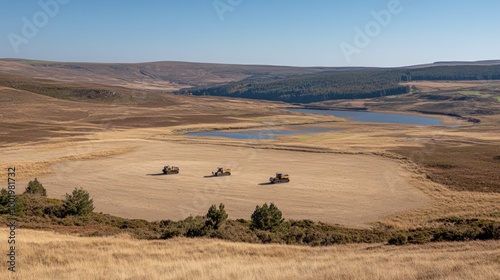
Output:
x=282 y=83
x=164 y=76
x=403 y=89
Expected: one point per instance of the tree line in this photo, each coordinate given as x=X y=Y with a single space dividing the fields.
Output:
x=453 y=73
x=350 y=84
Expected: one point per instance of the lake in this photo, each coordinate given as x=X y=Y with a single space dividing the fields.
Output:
x=355 y=116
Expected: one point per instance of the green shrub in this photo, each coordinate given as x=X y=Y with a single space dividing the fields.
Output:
x=265 y=236
x=267 y=217
x=35 y=205
x=78 y=203
x=419 y=236
x=294 y=236
x=54 y=208
x=165 y=223
x=459 y=229
x=236 y=231
x=313 y=237
x=171 y=233
x=338 y=238
x=5 y=199
x=302 y=223
x=189 y=227
x=194 y=227
x=399 y=239
x=491 y=231
x=35 y=188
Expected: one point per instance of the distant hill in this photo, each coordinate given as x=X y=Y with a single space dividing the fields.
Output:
x=457 y=63
x=483 y=62
x=164 y=76
x=282 y=83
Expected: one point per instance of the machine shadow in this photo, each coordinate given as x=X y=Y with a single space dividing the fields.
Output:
x=157 y=174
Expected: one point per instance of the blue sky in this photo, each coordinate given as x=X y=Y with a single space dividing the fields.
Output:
x=275 y=32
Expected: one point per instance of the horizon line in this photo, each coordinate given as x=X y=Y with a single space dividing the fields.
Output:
x=257 y=64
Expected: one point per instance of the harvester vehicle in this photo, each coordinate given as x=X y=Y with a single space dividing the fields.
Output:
x=222 y=172
x=167 y=169
x=280 y=178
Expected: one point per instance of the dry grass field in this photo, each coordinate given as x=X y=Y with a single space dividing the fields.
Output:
x=46 y=255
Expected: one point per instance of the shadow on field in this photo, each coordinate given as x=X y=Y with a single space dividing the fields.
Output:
x=209 y=176
x=157 y=174
x=266 y=184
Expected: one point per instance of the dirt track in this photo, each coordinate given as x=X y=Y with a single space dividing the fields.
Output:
x=347 y=189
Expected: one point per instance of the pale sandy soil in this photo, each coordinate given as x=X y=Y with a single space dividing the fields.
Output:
x=352 y=190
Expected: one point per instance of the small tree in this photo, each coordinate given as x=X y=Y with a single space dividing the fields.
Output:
x=7 y=201
x=215 y=217
x=36 y=188
x=78 y=203
x=4 y=200
x=267 y=217
x=4 y=197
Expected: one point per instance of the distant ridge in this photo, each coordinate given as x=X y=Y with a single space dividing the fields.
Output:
x=283 y=83
x=167 y=76
x=457 y=63
x=481 y=62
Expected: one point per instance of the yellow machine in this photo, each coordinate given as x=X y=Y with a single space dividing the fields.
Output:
x=280 y=178
x=167 y=169
x=222 y=172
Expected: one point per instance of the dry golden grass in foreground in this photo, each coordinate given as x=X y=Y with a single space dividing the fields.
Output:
x=45 y=255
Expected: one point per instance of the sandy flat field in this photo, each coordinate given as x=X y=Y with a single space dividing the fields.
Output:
x=125 y=179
